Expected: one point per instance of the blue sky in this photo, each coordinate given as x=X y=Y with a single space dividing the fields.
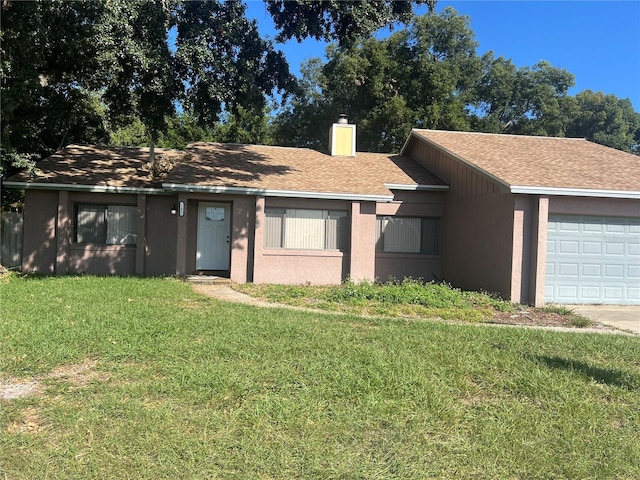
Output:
x=597 y=41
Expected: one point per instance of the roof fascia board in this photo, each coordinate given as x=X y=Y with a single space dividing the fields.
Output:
x=575 y=192
x=275 y=193
x=504 y=186
x=82 y=188
x=397 y=186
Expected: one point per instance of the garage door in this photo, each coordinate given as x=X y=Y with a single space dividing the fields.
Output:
x=593 y=260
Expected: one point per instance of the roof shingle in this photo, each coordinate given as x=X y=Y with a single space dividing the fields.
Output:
x=230 y=165
x=518 y=160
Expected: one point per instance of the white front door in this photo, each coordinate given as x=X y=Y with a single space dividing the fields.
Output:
x=214 y=231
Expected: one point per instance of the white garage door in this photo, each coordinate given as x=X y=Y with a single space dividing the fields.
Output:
x=593 y=260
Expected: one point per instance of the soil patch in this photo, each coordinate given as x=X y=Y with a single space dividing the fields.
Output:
x=78 y=375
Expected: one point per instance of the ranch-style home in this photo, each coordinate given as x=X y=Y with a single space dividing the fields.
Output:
x=535 y=219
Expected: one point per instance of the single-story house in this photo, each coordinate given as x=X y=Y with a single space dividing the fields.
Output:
x=534 y=219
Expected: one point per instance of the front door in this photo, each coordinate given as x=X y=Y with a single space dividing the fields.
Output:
x=214 y=231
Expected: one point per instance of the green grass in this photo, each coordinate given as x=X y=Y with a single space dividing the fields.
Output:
x=408 y=298
x=183 y=386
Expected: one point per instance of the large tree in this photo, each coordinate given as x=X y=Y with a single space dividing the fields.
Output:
x=48 y=78
x=423 y=76
x=69 y=70
x=605 y=119
x=527 y=100
x=344 y=21
x=429 y=76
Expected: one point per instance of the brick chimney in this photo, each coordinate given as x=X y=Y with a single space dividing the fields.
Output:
x=342 y=138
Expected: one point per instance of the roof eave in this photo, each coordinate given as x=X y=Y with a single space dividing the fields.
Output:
x=81 y=188
x=575 y=192
x=176 y=187
x=413 y=188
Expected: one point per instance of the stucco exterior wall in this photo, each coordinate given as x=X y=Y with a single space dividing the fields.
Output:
x=49 y=236
x=611 y=207
x=242 y=236
x=39 y=245
x=289 y=266
x=401 y=265
x=477 y=224
x=477 y=243
x=102 y=259
x=160 y=235
x=93 y=259
x=292 y=267
x=362 y=251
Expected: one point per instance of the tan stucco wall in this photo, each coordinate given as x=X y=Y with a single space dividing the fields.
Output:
x=477 y=225
x=39 y=245
x=287 y=266
x=399 y=265
x=160 y=237
x=613 y=207
x=477 y=243
x=102 y=259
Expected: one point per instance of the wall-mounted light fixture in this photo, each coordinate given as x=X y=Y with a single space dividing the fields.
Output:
x=174 y=210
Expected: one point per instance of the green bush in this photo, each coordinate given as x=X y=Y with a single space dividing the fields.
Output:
x=413 y=292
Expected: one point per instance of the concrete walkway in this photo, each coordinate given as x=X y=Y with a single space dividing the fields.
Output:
x=226 y=293
x=624 y=317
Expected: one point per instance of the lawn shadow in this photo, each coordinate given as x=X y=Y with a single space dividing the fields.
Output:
x=607 y=376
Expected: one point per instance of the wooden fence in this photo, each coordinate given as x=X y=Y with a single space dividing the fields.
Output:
x=11 y=239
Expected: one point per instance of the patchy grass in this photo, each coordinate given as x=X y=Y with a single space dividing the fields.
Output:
x=413 y=298
x=143 y=378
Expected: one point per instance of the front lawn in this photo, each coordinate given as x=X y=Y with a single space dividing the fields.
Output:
x=412 y=298
x=144 y=378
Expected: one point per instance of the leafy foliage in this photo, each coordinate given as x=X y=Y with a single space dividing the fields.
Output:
x=605 y=119
x=346 y=22
x=430 y=76
x=48 y=71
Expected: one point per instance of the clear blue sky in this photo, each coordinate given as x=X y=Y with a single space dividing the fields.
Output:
x=597 y=41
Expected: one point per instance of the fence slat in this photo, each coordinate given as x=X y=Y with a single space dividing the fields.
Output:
x=11 y=239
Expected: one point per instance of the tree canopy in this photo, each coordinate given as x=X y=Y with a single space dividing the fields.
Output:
x=429 y=75
x=84 y=71
x=167 y=72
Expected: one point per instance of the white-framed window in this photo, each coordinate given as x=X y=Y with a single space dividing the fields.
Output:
x=106 y=224
x=306 y=229
x=408 y=235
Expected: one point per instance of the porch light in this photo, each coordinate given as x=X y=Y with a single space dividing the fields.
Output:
x=174 y=210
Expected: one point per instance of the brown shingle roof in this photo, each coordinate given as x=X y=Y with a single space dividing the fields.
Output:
x=547 y=162
x=240 y=166
x=296 y=169
x=91 y=165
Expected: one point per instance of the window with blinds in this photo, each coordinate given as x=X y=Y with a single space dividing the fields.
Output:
x=306 y=229
x=105 y=224
x=408 y=235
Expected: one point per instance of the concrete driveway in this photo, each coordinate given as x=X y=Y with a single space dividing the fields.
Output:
x=625 y=317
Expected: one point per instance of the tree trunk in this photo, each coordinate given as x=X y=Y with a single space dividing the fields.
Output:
x=152 y=157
